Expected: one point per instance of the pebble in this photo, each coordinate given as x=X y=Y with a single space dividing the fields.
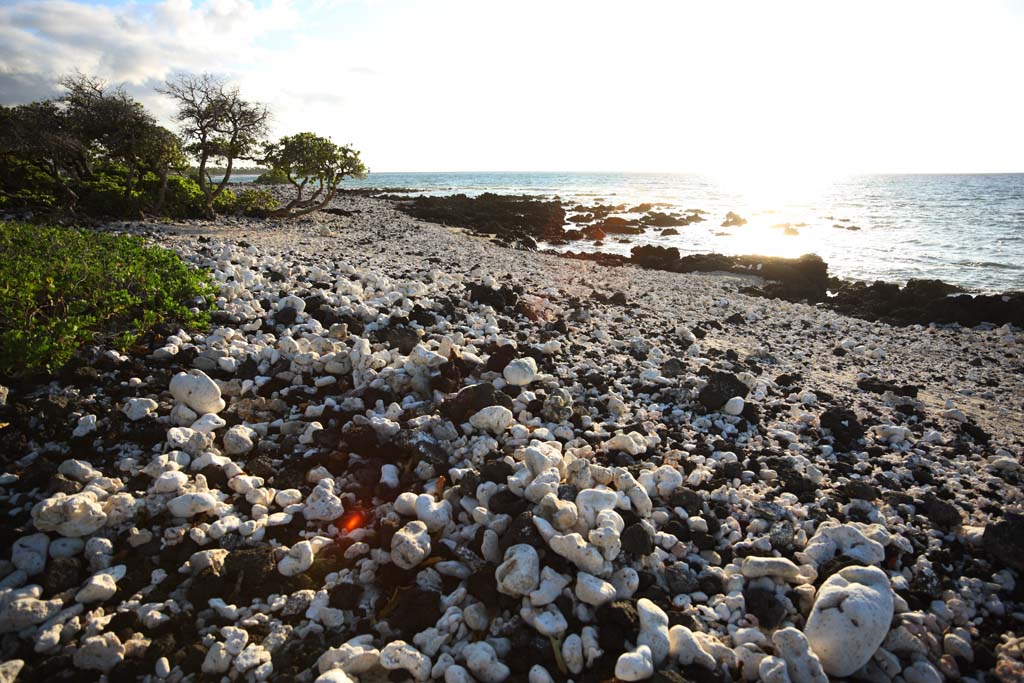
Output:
x=136 y=409
x=520 y=372
x=493 y=419
x=634 y=665
x=410 y=545
x=519 y=573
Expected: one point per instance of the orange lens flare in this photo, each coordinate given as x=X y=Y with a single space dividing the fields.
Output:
x=352 y=521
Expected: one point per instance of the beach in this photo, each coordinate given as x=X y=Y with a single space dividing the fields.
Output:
x=405 y=450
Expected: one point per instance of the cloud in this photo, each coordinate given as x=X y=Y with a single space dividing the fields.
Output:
x=137 y=44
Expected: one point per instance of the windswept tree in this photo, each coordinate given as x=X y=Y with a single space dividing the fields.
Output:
x=37 y=139
x=118 y=129
x=315 y=167
x=218 y=126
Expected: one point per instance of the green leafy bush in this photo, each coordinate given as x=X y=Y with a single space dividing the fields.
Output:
x=107 y=194
x=225 y=202
x=274 y=176
x=62 y=287
x=258 y=203
x=24 y=186
x=184 y=199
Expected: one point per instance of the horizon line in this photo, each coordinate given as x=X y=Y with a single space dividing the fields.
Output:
x=702 y=173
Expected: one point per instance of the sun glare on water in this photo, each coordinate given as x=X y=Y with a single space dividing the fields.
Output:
x=781 y=202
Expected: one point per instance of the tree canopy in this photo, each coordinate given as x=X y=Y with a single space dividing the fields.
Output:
x=313 y=165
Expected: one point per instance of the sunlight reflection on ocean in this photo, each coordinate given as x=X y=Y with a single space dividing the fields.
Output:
x=964 y=229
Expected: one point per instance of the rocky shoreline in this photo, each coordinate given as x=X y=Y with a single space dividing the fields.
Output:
x=406 y=452
x=523 y=221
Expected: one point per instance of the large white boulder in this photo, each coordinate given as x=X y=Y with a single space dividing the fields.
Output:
x=76 y=515
x=196 y=390
x=850 y=619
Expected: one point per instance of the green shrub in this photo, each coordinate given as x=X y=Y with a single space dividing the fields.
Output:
x=225 y=202
x=183 y=199
x=24 y=186
x=257 y=203
x=274 y=176
x=106 y=194
x=62 y=287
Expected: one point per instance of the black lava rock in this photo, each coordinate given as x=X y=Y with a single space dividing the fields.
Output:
x=638 y=539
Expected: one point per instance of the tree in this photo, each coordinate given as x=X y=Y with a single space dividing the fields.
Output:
x=117 y=129
x=39 y=137
x=217 y=124
x=314 y=164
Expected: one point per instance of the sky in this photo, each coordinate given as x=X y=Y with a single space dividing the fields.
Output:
x=761 y=88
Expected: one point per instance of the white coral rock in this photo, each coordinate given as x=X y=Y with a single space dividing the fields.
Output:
x=196 y=390
x=410 y=545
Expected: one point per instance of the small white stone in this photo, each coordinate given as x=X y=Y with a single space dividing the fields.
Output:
x=239 y=440
x=291 y=301
x=520 y=371
x=208 y=423
x=653 y=630
x=734 y=406
x=635 y=665
x=631 y=442
x=139 y=408
x=781 y=567
x=99 y=653
x=191 y=504
x=399 y=654
x=592 y=590
x=170 y=482
x=410 y=545
x=802 y=664
x=482 y=661
x=519 y=574
x=196 y=390
x=286 y=497
x=86 y=425
x=28 y=553
x=354 y=656
x=686 y=648
x=76 y=515
x=218 y=659
x=494 y=419
x=435 y=514
x=322 y=503
x=102 y=585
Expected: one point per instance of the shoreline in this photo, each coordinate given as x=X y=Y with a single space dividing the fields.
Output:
x=911 y=439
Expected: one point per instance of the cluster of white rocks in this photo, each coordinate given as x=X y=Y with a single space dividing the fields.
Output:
x=568 y=494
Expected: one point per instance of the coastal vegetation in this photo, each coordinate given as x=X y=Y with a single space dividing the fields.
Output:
x=97 y=153
x=63 y=287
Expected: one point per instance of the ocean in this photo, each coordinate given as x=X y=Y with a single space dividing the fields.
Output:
x=964 y=229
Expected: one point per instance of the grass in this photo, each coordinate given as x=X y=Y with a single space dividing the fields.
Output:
x=63 y=287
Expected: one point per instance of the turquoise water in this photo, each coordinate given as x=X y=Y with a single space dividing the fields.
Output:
x=964 y=229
